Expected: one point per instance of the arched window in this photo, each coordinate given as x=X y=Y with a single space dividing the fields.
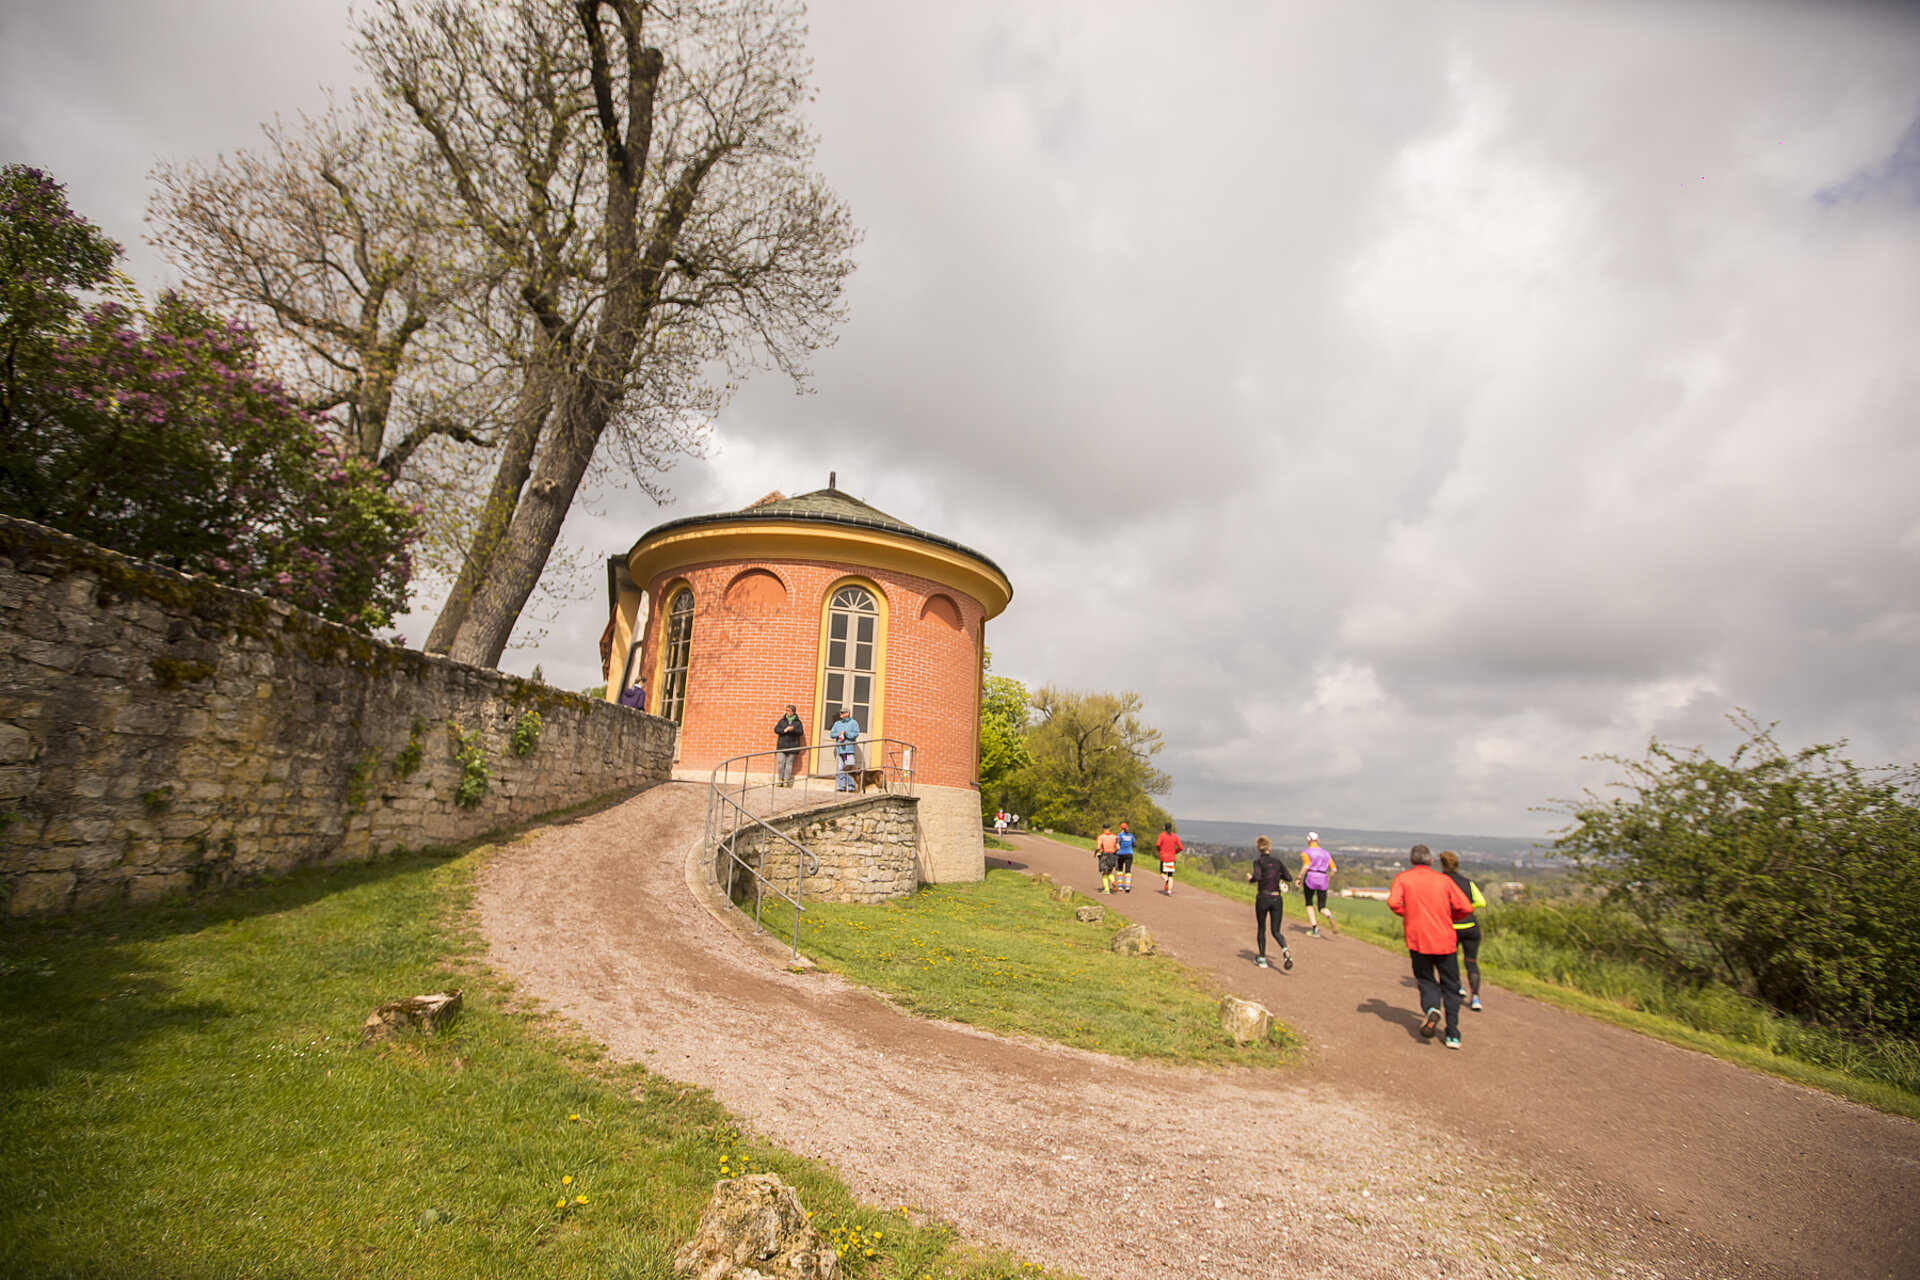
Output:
x=853 y=627
x=675 y=654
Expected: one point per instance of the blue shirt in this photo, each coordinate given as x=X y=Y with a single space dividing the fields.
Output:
x=1126 y=844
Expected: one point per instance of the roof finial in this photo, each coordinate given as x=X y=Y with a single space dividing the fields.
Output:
x=833 y=478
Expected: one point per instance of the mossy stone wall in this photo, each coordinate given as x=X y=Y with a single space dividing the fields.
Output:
x=161 y=734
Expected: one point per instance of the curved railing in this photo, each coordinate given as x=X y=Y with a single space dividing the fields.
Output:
x=741 y=799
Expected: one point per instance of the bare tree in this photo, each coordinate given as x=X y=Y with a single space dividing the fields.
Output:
x=637 y=176
x=329 y=240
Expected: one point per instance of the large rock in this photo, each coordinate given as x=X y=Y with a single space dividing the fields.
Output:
x=426 y=1013
x=1245 y=1021
x=1061 y=893
x=1046 y=877
x=1092 y=913
x=755 y=1228
x=1134 y=940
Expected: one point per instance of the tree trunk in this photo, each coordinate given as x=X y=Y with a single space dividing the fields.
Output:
x=519 y=558
x=516 y=462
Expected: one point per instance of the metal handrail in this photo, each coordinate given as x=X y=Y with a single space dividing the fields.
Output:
x=728 y=814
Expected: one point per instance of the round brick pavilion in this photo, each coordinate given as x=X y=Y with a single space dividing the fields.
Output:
x=821 y=601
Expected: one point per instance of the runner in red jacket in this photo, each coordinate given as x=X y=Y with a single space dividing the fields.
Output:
x=1429 y=903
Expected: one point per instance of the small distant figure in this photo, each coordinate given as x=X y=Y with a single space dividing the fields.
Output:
x=1170 y=850
x=846 y=739
x=1000 y=822
x=1316 y=877
x=791 y=737
x=1429 y=903
x=1107 y=851
x=635 y=696
x=1123 y=866
x=1467 y=931
x=1270 y=879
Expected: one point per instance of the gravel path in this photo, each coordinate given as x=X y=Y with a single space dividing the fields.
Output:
x=1384 y=1156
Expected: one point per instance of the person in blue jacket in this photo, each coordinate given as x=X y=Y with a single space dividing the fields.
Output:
x=1123 y=869
x=846 y=735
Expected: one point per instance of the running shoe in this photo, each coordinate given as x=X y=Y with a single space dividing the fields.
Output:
x=1463 y=993
x=1313 y=933
x=1262 y=962
x=1475 y=1006
x=1431 y=1025
x=1286 y=958
x=1452 y=1042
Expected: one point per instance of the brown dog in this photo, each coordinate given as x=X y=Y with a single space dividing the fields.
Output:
x=875 y=778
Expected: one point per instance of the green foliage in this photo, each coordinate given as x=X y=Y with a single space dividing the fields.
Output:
x=408 y=761
x=1789 y=877
x=525 y=738
x=360 y=776
x=155 y=433
x=1090 y=762
x=1004 y=715
x=1003 y=956
x=184 y=1099
x=470 y=753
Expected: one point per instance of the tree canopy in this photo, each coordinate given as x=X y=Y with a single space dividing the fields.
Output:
x=155 y=433
x=1088 y=758
x=1789 y=875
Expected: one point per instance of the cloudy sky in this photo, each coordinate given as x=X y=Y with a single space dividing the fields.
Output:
x=1409 y=399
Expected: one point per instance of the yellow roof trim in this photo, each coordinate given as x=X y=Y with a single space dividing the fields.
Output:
x=776 y=540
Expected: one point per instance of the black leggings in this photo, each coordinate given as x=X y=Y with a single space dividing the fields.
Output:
x=1470 y=952
x=1266 y=916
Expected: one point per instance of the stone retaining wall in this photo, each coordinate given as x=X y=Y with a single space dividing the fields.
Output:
x=868 y=851
x=160 y=734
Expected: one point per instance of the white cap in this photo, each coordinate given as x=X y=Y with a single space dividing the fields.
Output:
x=1312 y=836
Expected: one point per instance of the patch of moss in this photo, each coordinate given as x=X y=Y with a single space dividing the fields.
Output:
x=172 y=673
x=157 y=801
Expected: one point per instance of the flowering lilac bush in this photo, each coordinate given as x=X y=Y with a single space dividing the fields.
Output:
x=154 y=432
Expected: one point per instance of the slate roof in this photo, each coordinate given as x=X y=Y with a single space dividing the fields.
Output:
x=827 y=506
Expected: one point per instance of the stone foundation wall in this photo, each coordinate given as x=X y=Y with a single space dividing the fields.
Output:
x=867 y=850
x=160 y=734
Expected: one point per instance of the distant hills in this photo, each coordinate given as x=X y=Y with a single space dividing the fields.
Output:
x=1505 y=851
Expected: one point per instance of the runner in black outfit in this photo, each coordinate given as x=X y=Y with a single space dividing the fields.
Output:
x=1468 y=930
x=1268 y=872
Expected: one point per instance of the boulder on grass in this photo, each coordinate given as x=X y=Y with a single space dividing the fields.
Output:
x=1061 y=893
x=1092 y=913
x=755 y=1228
x=1134 y=940
x=1245 y=1021
x=1045 y=877
x=424 y=1013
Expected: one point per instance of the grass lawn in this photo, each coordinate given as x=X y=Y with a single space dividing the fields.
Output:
x=1612 y=993
x=1003 y=956
x=180 y=1096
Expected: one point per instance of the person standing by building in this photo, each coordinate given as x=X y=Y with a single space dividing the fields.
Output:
x=846 y=739
x=791 y=737
x=1269 y=879
x=1467 y=931
x=1170 y=850
x=1106 y=853
x=1316 y=877
x=1428 y=903
x=1123 y=865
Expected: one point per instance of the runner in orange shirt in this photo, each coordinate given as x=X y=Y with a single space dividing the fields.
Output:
x=1429 y=903
x=1107 y=850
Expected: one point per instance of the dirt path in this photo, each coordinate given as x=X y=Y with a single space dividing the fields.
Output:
x=1533 y=1153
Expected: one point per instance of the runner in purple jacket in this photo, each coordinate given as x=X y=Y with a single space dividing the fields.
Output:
x=1316 y=876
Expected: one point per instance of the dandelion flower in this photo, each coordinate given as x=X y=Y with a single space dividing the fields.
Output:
x=567 y=1181
x=579 y=1199
x=559 y=1204
x=574 y=1116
